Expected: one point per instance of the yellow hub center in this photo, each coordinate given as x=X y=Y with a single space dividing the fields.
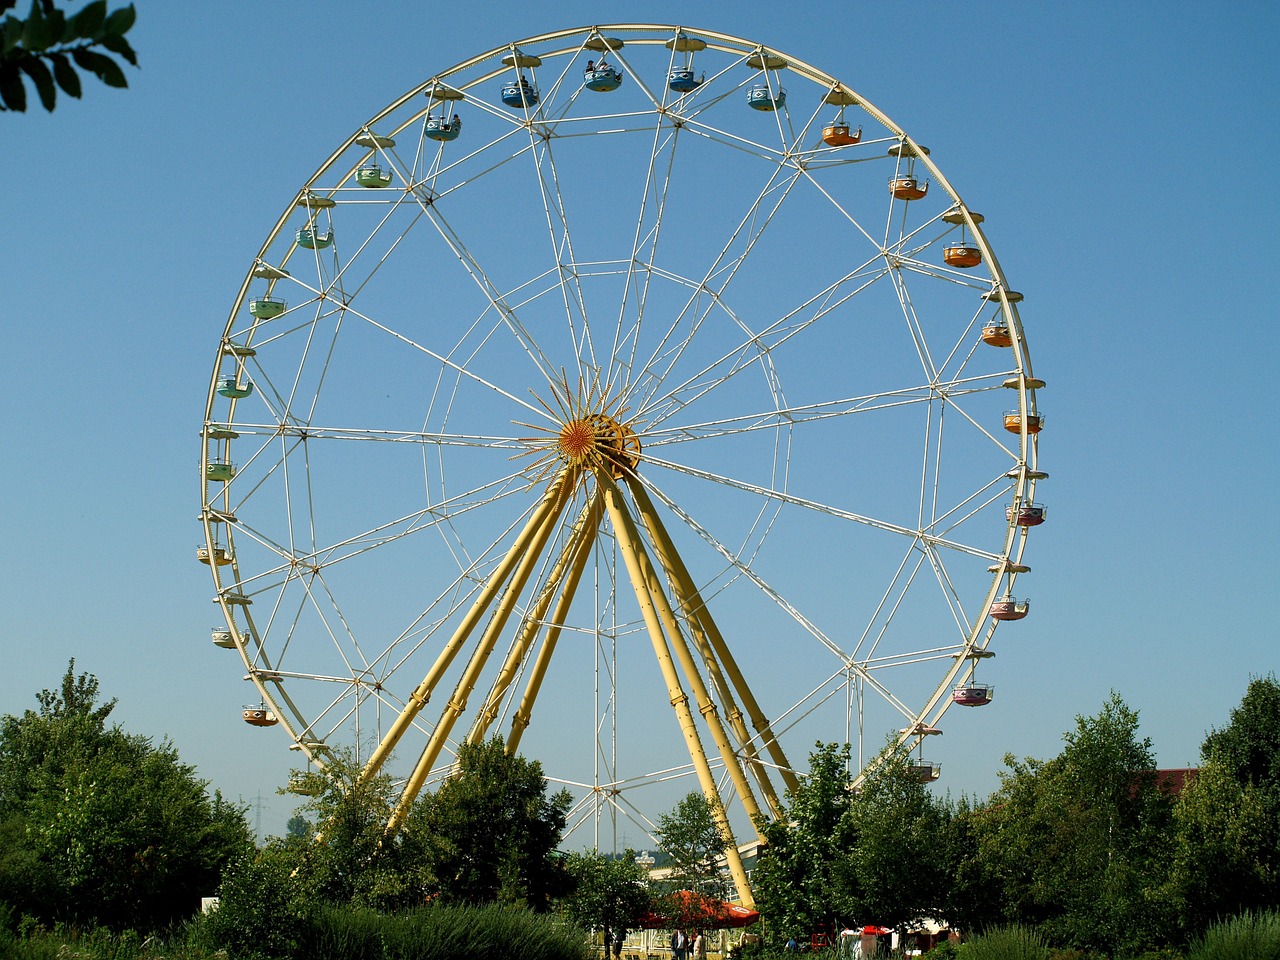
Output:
x=598 y=439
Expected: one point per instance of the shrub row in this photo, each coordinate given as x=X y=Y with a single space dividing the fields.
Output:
x=496 y=933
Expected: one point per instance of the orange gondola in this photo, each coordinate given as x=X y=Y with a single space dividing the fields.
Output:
x=837 y=134
x=907 y=188
x=997 y=333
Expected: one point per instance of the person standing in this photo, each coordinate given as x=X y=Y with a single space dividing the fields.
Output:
x=679 y=946
x=699 y=946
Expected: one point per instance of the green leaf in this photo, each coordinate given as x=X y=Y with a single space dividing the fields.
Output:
x=34 y=68
x=111 y=74
x=101 y=66
x=12 y=91
x=120 y=21
x=39 y=31
x=89 y=21
x=57 y=23
x=119 y=46
x=12 y=33
x=66 y=75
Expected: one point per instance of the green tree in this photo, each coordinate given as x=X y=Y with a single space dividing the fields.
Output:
x=1249 y=746
x=972 y=900
x=1222 y=850
x=1079 y=846
x=610 y=893
x=897 y=867
x=49 y=48
x=1227 y=846
x=801 y=879
x=102 y=826
x=490 y=832
x=691 y=839
x=348 y=858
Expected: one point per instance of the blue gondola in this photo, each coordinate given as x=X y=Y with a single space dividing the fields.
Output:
x=444 y=129
x=229 y=386
x=760 y=97
x=682 y=80
x=519 y=93
x=313 y=239
x=602 y=78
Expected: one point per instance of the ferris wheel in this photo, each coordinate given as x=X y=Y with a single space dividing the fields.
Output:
x=640 y=393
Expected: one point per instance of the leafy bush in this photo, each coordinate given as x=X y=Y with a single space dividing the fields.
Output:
x=1014 y=942
x=259 y=913
x=1248 y=936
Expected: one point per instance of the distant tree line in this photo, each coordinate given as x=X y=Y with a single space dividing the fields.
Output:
x=1092 y=850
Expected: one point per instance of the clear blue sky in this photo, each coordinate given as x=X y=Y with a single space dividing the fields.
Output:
x=1124 y=159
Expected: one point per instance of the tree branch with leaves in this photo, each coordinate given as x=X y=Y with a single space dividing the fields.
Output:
x=49 y=47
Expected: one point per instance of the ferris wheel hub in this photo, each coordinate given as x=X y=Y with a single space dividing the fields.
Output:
x=599 y=440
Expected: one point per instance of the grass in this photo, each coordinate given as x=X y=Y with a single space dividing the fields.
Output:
x=1248 y=936
x=1013 y=942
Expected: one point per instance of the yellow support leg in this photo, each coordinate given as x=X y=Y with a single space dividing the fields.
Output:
x=572 y=561
x=706 y=706
x=466 y=683
x=631 y=547
x=418 y=699
x=698 y=608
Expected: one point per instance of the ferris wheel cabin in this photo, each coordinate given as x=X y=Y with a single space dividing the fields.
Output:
x=519 y=93
x=444 y=129
x=218 y=555
x=924 y=771
x=838 y=135
x=907 y=188
x=762 y=97
x=230 y=386
x=266 y=308
x=313 y=239
x=1009 y=608
x=373 y=176
x=683 y=80
x=259 y=716
x=973 y=694
x=220 y=470
x=1013 y=421
x=962 y=255
x=996 y=333
x=1026 y=514
x=601 y=77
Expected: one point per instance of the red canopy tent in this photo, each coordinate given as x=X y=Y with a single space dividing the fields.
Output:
x=696 y=909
